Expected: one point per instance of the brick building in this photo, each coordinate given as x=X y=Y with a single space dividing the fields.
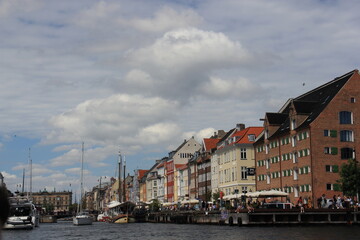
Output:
x=57 y=202
x=305 y=143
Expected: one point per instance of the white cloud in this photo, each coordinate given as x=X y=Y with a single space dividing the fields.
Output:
x=116 y=119
x=165 y=19
x=8 y=7
x=190 y=48
x=37 y=169
x=239 y=88
x=200 y=135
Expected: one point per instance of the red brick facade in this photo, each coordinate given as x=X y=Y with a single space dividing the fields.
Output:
x=321 y=141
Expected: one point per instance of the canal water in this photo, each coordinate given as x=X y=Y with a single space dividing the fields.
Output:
x=158 y=231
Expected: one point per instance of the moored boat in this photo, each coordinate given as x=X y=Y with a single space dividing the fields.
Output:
x=83 y=218
x=23 y=214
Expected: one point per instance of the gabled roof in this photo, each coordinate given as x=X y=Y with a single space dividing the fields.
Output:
x=313 y=102
x=210 y=143
x=141 y=173
x=244 y=134
x=226 y=136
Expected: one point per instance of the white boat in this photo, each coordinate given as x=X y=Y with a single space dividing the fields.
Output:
x=23 y=214
x=82 y=218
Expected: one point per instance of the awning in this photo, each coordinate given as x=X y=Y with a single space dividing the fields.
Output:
x=232 y=196
x=271 y=193
x=113 y=204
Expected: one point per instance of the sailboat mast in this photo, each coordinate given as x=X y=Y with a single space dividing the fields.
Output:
x=82 y=176
x=124 y=194
x=119 y=178
x=30 y=167
x=23 y=182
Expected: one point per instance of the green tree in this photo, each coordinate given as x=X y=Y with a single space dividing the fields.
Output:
x=155 y=205
x=216 y=195
x=350 y=178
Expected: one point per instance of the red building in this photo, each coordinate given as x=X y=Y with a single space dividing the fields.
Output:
x=305 y=143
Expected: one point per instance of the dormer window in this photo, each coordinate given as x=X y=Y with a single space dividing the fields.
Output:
x=251 y=137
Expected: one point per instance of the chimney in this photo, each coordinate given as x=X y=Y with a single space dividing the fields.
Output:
x=240 y=126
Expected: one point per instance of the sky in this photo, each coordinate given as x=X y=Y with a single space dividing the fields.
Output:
x=140 y=76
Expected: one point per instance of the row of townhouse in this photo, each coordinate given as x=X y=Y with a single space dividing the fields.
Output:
x=299 y=150
x=198 y=170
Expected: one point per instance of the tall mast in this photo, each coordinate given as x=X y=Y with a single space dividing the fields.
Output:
x=119 y=178
x=81 y=176
x=30 y=165
x=124 y=194
x=23 y=182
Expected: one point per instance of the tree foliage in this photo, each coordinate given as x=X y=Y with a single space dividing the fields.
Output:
x=216 y=195
x=350 y=178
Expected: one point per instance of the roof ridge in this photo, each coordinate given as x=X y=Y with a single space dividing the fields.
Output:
x=327 y=84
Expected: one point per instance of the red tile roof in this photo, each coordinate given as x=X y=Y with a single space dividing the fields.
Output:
x=141 y=173
x=210 y=143
x=243 y=134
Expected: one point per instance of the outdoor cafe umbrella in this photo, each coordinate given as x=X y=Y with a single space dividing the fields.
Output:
x=265 y=194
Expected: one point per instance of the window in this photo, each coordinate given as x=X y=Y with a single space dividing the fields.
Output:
x=352 y=100
x=294 y=141
x=296 y=174
x=268 y=178
x=243 y=173
x=295 y=159
x=326 y=133
x=330 y=150
x=332 y=168
x=243 y=153
x=293 y=124
x=346 y=117
x=251 y=137
x=347 y=153
x=329 y=186
x=267 y=163
x=244 y=190
x=346 y=136
x=296 y=191
x=330 y=133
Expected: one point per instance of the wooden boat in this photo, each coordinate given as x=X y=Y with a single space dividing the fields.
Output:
x=124 y=218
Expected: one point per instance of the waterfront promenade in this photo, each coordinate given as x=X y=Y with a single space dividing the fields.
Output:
x=258 y=217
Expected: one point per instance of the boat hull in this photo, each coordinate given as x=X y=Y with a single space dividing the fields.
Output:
x=82 y=220
x=18 y=223
x=124 y=219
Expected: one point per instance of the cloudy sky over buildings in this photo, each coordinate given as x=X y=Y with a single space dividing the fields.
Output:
x=141 y=76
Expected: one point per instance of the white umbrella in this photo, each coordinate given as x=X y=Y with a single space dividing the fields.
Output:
x=271 y=193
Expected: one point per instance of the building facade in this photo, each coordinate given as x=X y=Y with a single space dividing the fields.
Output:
x=236 y=157
x=56 y=202
x=309 y=138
